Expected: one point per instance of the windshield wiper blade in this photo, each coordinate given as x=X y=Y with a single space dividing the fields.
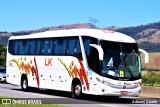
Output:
x=130 y=72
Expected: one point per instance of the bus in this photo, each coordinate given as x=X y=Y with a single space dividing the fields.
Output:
x=80 y=61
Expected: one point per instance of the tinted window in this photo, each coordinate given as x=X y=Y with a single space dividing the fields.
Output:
x=31 y=47
x=11 y=46
x=38 y=47
x=111 y=53
x=73 y=46
x=23 y=47
x=46 y=46
x=60 y=47
x=91 y=53
x=129 y=47
x=2 y=70
x=45 y=50
x=87 y=41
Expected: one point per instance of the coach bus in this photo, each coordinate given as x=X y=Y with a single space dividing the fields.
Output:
x=89 y=61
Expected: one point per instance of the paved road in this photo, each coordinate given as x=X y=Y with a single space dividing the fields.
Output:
x=59 y=97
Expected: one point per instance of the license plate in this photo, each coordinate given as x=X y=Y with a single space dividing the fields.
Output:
x=124 y=92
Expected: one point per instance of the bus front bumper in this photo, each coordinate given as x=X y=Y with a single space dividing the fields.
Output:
x=110 y=91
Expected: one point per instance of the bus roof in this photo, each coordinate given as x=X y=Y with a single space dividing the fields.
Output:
x=96 y=33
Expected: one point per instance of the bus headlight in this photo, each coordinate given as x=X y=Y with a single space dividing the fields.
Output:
x=104 y=82
x=138 y=84
x=107 y=83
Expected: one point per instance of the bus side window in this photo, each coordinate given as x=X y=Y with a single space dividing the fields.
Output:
x=24 y=47
x=20 y=48
x=16 y=47
x=91 y=53
x=12 y=47
x=60 y=47
x=93 y=60
x=31 y=47
x=87 y=41
x=50 y=47
x=54 y=46
x=37 y=47
x=77 y=49
x=86 y=46
x=46 y=47
x=71 y=46
x=63 y=46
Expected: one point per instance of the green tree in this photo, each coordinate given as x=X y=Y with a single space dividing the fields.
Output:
x=145 y=79
x=158 y=78
x=152 y=78
x=3 y=52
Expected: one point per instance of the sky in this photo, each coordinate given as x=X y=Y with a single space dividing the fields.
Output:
x=16 y=15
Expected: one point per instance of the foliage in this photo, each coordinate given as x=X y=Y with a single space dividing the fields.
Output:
x=136 y=32
x=150 y=47
x=3 y=52
x=151 y=78
x=150 y=69
x=133 y=31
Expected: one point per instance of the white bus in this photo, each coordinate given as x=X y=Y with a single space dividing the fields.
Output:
x=90 y=61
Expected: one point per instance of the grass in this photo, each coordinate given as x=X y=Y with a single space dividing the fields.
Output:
x=32 y=105
x=151 y=78
x=29 y=105
x=155 y=85
x=4 y=97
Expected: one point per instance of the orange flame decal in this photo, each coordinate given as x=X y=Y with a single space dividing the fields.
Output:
x=27 y=67
x=75 y=72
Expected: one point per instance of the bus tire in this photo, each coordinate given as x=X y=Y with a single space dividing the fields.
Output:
x=24 y=84
x=76 y=90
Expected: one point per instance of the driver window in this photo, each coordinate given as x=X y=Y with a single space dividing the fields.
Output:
x=91 y=53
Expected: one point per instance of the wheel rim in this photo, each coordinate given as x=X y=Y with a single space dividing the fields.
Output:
x=77 y=90
x=24 y=84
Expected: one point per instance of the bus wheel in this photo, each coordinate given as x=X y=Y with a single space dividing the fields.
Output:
x=24 y=84
x=76 y=90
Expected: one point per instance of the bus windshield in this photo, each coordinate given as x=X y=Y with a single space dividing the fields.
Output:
x=121 y=61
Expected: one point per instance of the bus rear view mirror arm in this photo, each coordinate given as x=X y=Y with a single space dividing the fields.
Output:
x=146 y=55
x=100 y=50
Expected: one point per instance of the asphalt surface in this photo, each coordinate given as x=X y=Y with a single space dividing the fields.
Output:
x=59 y=97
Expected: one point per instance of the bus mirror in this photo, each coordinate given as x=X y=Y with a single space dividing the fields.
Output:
x=100 y=50
x=146 y=55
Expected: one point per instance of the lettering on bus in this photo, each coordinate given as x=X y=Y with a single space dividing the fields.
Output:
x=48 y=61
x=75 y=72
x=27 y=67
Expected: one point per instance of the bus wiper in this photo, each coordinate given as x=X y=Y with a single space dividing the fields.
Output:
x=122 y=57
x=127 y=67
x=130 y=72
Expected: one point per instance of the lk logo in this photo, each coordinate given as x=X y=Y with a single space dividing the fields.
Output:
x=48 y=61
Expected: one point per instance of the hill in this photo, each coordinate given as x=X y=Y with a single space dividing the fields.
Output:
x=5 y=35
x=147 y=36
